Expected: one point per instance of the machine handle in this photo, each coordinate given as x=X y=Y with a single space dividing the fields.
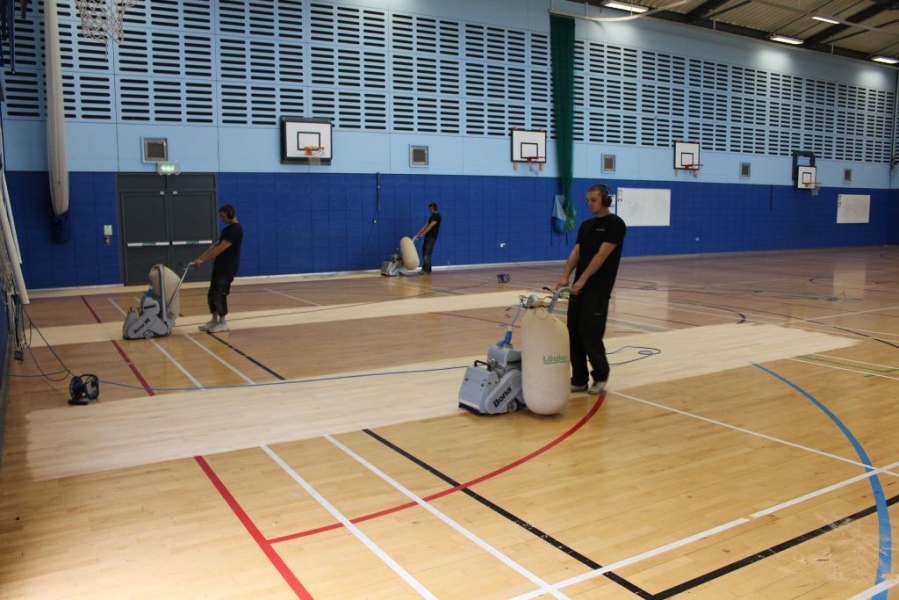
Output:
x=556 y=295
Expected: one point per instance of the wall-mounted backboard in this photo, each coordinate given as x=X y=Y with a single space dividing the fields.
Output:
x=528 y=146
x=686 y=154
x=806 y=177
x=306 y=141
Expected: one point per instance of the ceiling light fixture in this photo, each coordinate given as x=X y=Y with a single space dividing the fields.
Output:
x=885 y=60
x=823 y=19
x=625 y=6
x=785 y=39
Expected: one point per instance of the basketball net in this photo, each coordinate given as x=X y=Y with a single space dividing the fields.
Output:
x=104 y=20
x=314 y=155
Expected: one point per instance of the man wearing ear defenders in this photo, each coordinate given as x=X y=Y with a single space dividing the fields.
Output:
x=594 y=262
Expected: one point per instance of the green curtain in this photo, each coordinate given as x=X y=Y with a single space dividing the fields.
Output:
x=562 y=40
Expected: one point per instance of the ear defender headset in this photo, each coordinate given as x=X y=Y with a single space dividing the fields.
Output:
x=84 y=389
x=606 y=197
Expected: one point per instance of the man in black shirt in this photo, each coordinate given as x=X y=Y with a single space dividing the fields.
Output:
x=594 y=261
x=430 y=231
x=226 y=252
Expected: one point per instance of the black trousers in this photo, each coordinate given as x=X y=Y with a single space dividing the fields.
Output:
x=217 y=298
x=587 y=314
x=426 y=250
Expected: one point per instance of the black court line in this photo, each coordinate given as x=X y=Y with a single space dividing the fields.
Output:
x=248 y=357
x=773 y=550
x=520 y=522
x=593 y=565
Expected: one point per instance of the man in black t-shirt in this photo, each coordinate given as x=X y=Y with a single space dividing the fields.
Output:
x=430 y=231
x=594 y=261
x=226 y=252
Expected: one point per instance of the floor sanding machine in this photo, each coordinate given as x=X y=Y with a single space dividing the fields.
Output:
x=160 y=306
x=403 y=261
x=537 y=376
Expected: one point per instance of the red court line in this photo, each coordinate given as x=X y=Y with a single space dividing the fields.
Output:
x=122 y=353
x=254 y=532
x=91 y=309
x=134 y=370
x=574 y=428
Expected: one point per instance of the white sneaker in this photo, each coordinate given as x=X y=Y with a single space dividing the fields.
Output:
x=218 y=328
x=209 y=324
x=597 y=388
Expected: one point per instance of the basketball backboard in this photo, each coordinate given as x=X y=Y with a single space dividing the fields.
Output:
x=686 y=154
x=806 y=177
x=306 y=141
x=528 y=146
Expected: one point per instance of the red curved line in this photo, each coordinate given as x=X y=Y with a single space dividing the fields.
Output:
x=454 y=489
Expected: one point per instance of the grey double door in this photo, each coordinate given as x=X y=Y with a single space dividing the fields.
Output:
x=168 y=219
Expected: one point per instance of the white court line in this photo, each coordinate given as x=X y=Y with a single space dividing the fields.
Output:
x=682 y=307
x=220 y=359
x=887 y=470
x=857 y=312
x=883 y=335
x=172 y=358
x=837 y=368
x=291 y=297
x=880 y=587
x=385 y=558
x=730 y=524
x=178 y=365
x=774 y=319
x=858 y=362
x=543 y=585
x=741 y=429
x=120 y=309
x=637 y=558
x=639 y=326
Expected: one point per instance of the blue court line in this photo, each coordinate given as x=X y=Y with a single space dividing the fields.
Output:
x=885 y=554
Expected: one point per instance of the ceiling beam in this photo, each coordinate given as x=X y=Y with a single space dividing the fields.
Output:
x=704 y=9
x=835 y=30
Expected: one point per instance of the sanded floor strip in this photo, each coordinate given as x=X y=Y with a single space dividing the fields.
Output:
x=146 y=430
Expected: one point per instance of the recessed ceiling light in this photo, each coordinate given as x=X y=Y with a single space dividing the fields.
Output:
x=625 y=6
x=830 y=20
x=886 y=60
x=785 y=39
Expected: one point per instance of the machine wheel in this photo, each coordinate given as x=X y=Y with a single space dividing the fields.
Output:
x=513 y=406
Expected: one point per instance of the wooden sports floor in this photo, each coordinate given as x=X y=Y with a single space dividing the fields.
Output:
x=747 y=445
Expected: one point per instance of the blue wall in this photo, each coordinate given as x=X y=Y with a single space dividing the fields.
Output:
x=307 y=223
x=453 y=76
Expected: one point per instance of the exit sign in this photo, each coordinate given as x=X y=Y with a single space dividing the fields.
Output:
x=168 y=168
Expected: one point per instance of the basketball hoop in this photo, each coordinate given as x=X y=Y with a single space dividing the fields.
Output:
x=814 y=186
x=693 y=169
x=314 y=155
x=535 y=163
x=103 y=20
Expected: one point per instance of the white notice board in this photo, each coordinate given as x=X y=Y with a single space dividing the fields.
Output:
x=642 y=207
x=853 y=208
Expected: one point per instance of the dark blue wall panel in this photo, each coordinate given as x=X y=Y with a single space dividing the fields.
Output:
x=317 y=223
x=84 y=260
